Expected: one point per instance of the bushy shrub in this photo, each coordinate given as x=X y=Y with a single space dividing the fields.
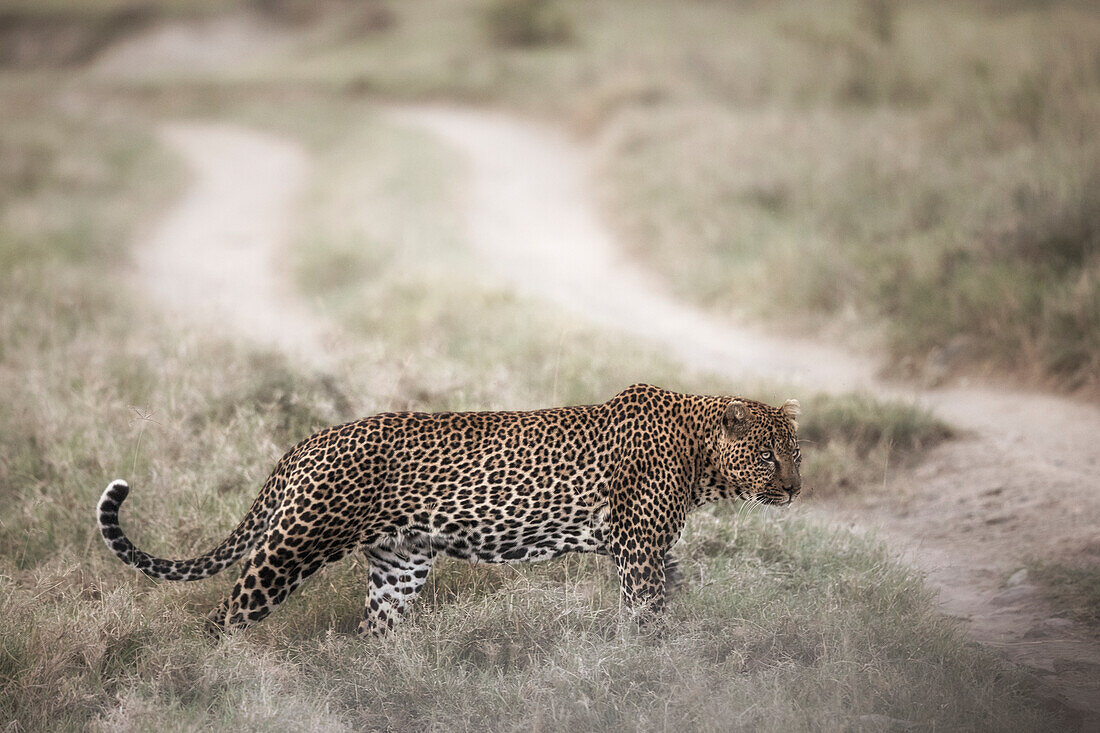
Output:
x=527 y=22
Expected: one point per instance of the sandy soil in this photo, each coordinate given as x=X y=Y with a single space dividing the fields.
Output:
x=1021 y=484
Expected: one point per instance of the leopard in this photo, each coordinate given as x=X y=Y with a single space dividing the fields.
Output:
x=616 y=478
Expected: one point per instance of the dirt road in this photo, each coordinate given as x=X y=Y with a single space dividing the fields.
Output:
x=217 y=256
x=1022 y=484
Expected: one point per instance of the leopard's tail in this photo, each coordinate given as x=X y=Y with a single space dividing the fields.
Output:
x=239 y=541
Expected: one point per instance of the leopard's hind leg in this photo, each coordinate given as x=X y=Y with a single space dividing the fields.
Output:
x=395 y=578
x=276 y=567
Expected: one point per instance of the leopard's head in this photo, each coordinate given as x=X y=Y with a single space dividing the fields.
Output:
x=756 y=452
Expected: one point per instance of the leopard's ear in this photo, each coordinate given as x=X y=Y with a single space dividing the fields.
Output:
x=736 y=418
x=792 y=410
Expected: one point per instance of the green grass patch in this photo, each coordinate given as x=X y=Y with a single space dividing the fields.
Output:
x=940 y=192
x=866 y=423
x=851 y=442
x=782 y=626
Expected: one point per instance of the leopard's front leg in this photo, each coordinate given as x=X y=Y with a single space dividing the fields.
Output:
x=641 y=568
x=639 y=554
x=395 y=579
x=646 y=515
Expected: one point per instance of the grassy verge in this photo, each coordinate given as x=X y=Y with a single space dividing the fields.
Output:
x=930 y=179
x=853 y=440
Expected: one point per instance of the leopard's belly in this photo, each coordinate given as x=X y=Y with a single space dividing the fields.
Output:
x=507 y=540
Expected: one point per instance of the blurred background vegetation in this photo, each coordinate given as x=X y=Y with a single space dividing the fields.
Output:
x=918 y=176
x=921 y=174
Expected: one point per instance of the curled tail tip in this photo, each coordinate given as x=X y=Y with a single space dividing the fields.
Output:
x=114 y=494
x=107 y=518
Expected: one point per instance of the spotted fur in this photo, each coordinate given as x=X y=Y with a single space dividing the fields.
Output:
x=616 y=478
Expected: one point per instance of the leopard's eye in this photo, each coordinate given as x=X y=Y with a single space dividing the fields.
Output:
x=766 y=455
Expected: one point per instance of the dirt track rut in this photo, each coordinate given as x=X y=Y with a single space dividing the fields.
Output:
x=217 y=257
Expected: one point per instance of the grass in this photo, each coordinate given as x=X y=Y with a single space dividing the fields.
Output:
x=538 y=646
x=942 y=193
x=856 y=440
